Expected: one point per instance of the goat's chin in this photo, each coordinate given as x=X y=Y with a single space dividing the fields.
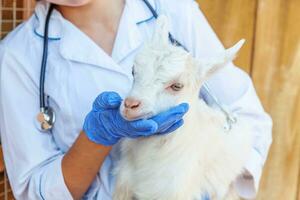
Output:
x=132 y=117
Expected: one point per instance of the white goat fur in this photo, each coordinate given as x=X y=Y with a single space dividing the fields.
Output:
x=199 y=157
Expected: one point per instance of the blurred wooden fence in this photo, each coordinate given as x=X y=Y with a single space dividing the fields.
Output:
x=272 y=58
x=12 y=13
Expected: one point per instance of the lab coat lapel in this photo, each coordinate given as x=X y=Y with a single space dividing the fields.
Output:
x=78 y=47
x=74 y=45
x=129 y=37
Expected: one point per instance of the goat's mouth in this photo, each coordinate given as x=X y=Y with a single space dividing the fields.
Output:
x=132 y=116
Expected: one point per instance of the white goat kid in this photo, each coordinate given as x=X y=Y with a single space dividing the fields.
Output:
x=199 y=157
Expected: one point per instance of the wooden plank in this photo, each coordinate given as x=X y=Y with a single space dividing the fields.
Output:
x=28 y=6
x=233 y=20
x=276 y=72
x=2 y=167
x=0 y=19
x=298 y=197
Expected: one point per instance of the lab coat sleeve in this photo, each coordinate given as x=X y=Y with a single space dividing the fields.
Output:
x=33 y=161
x=234 y=88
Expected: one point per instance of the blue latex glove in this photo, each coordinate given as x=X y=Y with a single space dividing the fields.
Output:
x=104 y=124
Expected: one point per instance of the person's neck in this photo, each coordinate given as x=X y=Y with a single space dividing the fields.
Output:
x=104 y=12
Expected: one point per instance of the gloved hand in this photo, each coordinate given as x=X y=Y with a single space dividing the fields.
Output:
x=104 y=124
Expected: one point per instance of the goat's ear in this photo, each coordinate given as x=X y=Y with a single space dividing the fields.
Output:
x=161 y=32
x=208 y=67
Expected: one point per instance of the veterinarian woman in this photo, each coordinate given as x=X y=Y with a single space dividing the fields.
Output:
x=91 y=48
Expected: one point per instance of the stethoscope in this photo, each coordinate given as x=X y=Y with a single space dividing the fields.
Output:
x=46 y=116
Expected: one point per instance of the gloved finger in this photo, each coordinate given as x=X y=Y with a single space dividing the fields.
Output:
x=126 y=128
x=107 y=100
x=169 y=122
x=151 y=130
x=143 y=126
x=174 y=127
x=169 y=117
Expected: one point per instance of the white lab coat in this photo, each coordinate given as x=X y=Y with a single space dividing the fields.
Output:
x=77 y=71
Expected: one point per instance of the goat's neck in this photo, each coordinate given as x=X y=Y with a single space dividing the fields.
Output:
x=201 y=114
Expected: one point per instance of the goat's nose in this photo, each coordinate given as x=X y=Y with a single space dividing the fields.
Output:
x=131 y=103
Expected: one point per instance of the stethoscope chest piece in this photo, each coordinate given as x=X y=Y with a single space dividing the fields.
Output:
x=46 y=118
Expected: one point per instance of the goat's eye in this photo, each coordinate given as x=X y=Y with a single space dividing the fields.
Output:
x=177 y=86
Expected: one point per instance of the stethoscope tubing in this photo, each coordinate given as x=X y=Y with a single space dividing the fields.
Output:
x=44 y=59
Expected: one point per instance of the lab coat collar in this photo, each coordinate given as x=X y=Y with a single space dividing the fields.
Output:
x=129 y=37
x=139 y=13
x=55 y=27
x=77 y=46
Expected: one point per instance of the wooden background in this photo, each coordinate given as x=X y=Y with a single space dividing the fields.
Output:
x=272 y=58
